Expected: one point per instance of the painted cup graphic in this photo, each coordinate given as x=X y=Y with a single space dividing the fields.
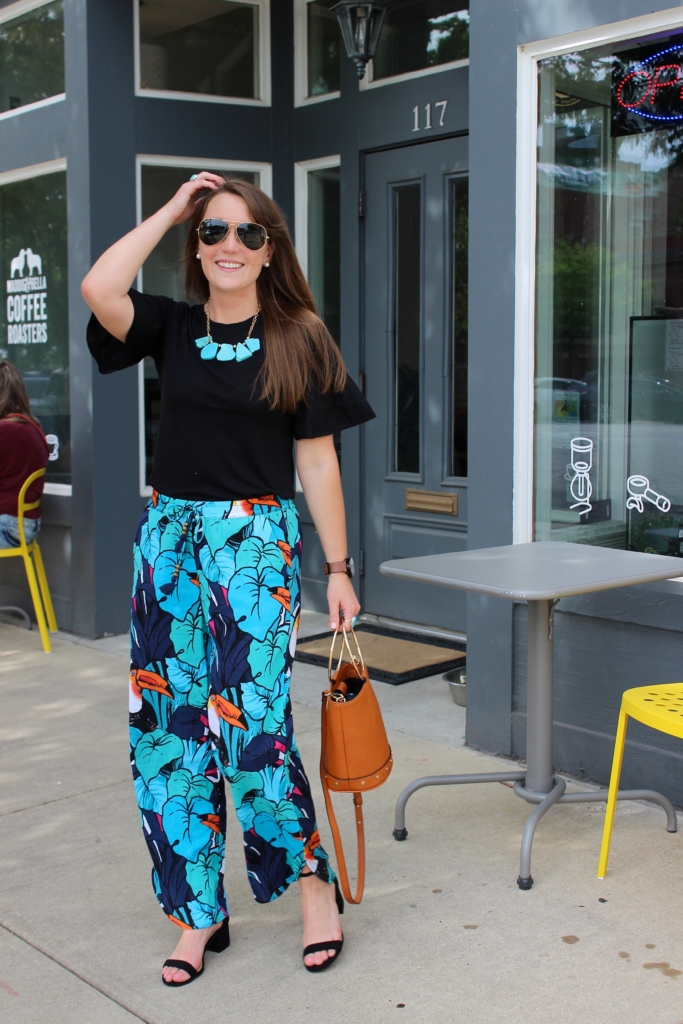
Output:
x=53 y=442
x=581 y=464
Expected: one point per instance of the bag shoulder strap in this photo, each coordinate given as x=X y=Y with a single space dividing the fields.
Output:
x=336 y=835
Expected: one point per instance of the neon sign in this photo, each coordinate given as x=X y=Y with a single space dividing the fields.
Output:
x=653 y=89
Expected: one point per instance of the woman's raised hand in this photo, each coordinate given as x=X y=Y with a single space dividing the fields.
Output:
x=183 y=204
x=105 y=287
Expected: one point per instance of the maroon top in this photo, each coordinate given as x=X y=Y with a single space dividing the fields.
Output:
x=23 y=450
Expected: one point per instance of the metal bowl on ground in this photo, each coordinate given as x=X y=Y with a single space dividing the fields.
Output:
x=457 y=682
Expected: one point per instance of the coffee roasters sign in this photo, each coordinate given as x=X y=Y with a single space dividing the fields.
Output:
x=26 y=300
x=652 y=87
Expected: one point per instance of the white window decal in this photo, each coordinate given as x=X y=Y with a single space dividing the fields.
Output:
x=26 y=300
x=578 y=472
x=640 y=491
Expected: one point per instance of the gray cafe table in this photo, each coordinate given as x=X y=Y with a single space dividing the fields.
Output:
x=540 y=573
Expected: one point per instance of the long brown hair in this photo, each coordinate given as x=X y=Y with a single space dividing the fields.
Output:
x=301 y=352
x=13 y=397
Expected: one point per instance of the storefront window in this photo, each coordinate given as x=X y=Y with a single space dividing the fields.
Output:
x=323 y=41
x=34 y=328
x=609 y=317
x=421 y=34
x=163 y=274
x=32 y=56
x=208 y=47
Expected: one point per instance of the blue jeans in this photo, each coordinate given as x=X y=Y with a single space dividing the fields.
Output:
x=9 y=530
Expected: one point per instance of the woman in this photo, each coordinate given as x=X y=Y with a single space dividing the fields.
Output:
x=23 y=450
x=218 y=552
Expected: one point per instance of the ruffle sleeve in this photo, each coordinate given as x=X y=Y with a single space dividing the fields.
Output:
x=331 y=412
x=145 y=336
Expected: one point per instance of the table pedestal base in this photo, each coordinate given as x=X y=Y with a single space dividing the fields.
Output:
x=544 y=801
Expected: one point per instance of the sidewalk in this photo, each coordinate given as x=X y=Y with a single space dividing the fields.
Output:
x=443 y=933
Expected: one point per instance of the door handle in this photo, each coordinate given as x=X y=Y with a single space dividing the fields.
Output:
x=431 y=501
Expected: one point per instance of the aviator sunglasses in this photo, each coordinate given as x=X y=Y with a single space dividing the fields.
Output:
x=252 y=236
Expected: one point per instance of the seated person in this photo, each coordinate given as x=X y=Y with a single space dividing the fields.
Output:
x=23 y=450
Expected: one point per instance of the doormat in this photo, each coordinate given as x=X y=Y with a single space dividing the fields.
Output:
x=391 y=655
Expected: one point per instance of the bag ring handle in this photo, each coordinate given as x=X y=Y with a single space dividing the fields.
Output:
x=355 y=659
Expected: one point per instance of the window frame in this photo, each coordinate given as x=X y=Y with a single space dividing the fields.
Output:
x=200 y=97
x=368 y=82
x=301 y=170
x=25 y=174
x=528 y=57
x=407 y=76
x=301 y=97
x=192 y=164
x=9 y=14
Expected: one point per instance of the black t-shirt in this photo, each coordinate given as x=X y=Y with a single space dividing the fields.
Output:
x=218 y=440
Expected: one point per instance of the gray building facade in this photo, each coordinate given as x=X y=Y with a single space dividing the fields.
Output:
x=488 y=223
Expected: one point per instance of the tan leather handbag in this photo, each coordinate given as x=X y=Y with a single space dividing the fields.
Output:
x=355 y=754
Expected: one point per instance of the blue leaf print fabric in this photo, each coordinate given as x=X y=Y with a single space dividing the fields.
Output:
x=214 y=617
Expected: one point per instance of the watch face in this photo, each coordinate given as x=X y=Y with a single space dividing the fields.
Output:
x=350 y=568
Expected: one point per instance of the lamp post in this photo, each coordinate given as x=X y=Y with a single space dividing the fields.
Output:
x=361 y=24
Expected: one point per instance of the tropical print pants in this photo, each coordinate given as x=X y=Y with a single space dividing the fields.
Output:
x=215 y=610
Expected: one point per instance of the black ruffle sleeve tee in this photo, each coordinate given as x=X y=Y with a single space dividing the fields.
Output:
x=218 y=440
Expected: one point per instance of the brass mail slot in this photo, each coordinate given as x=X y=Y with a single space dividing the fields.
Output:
x=432 y=501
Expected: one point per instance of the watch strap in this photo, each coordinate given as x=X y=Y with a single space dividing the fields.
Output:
x=344 y=565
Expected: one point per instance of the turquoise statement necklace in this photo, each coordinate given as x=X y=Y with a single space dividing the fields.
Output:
x=210 y=349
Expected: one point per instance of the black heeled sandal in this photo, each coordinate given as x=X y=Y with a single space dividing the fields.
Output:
x=219 y=941
x=321 y=947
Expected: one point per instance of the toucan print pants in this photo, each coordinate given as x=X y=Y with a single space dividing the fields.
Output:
x=216 y=601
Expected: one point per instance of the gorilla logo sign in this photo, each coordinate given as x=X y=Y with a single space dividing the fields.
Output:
x=653 y=88
x=26 y=300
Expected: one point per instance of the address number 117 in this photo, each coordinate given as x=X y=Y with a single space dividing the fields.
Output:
x=439 y=115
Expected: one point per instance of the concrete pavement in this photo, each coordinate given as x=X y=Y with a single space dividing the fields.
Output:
x=443 y=933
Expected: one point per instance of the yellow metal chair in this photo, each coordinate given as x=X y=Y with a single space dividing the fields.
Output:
x=660 y=707
x=33 y=563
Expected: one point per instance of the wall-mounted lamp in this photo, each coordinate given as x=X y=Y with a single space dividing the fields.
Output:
x=361 y=24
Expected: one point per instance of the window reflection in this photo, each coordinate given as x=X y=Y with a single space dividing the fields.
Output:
x=324 y=253
x=419 y=34
x=459 y=212
x=32 y=56
x=323 y=42
x=324 y=260
x=200 y=46
x=163 y=273
x=34 y=319
x=609 y=388
x=407 y=310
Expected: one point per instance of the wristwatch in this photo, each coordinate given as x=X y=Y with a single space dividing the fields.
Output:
x=345 y=565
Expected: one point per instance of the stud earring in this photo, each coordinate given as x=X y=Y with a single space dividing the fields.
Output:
x=198 y=256
x=266 y=264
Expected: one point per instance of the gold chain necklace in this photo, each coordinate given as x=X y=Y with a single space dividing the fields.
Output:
x=210 y=349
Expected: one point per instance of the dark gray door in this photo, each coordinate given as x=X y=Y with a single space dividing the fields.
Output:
x=415 y=459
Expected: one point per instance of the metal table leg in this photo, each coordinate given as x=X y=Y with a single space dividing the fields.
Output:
x=400 y=830
x=11 y=609
x=600 y=797
x=540 y=773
